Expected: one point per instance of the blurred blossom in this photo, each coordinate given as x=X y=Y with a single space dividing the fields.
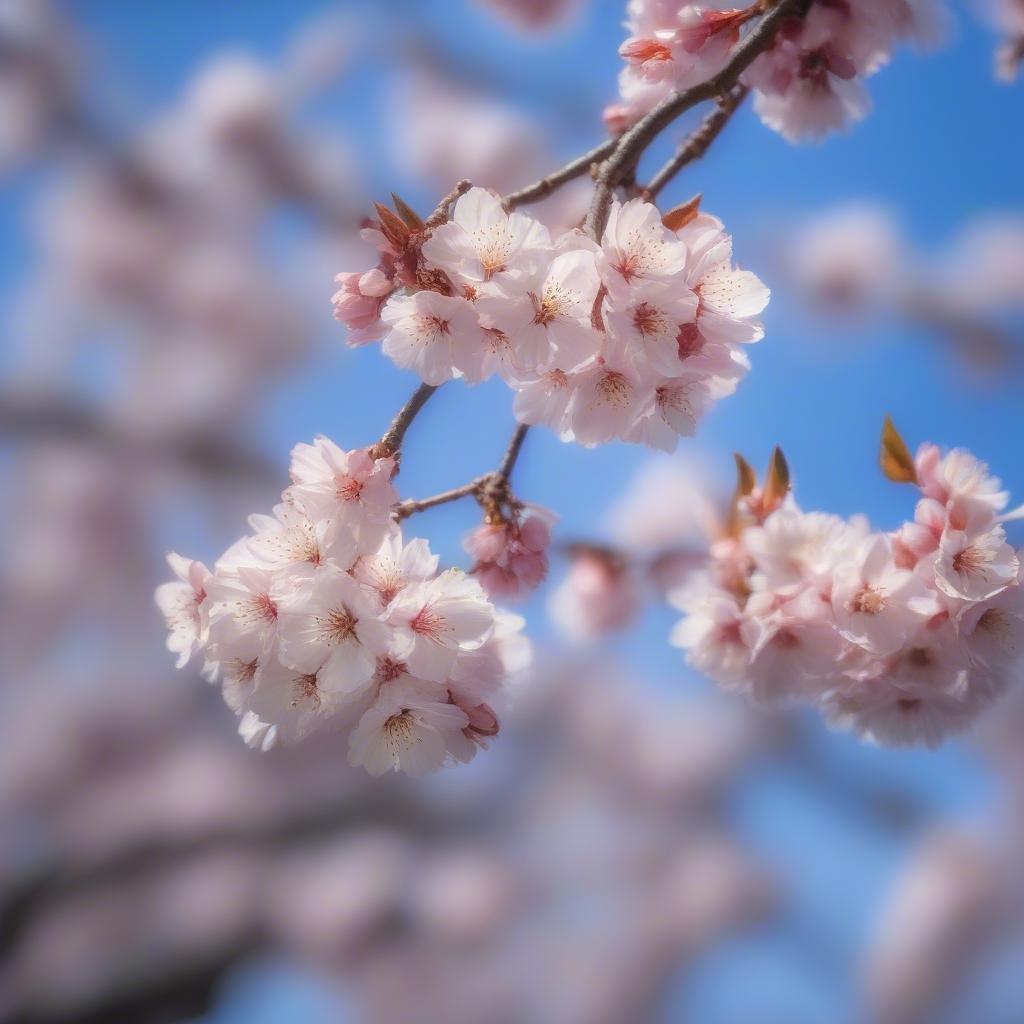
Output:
x=671 y=501
x=856 y=261
x=600 y=594
x=535 y=15
x=849 y=260
x=983 y=267
x=40 y=64
x=938 y=923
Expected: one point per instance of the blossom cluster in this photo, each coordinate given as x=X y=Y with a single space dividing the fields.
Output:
x=630 y=338
x=807 y=84
x=905 y=637
x=510 y=553
x=325 y=615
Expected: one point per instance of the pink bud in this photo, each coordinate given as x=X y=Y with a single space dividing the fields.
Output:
x=376 y=283
x=498 y=583
x=530 y=568
x=534 y=534
x=487 y=543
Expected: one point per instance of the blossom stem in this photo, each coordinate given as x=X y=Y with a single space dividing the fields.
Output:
x=699 y=142
x=391 y=442
x=623 y=159
x=572 y=170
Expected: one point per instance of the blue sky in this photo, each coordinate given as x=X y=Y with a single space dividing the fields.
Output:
x=942 y=146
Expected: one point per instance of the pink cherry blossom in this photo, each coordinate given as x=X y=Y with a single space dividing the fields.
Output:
x=548 y=313
x=876 y=604
x=436 y=620
x=424 y=329
x=331 y=625
x=394 y=566
x=358 y=302
x=408 y=729
x=346 y=486
x=183 y=604
x=904 y=638
x=483 y=242
x=718 y=638
x=511 y=557
x=637 y=248
x=975 y=567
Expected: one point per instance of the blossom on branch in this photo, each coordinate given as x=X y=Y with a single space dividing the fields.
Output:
x=903 y=637
x=631 y=338
x=324 y=617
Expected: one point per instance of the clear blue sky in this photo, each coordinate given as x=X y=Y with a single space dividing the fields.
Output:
x=943 y=145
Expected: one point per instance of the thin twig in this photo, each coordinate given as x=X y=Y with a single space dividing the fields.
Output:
x=515 y=446
x=412 y=506
x=698 y=142
x=574 y=169
x=491 y=489
x=391 y=442
x=623 y=159
x=440 y=215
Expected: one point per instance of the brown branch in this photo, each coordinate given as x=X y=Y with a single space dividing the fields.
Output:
x=699 y=142
x=508 y=462
x=631 y=146
x=574 y=169
x=391 y=443
x=440 y=215
x=412 y=506
x=491 y=489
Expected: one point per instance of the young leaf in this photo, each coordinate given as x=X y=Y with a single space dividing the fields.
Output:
x=412 y=219
x=895 y=458
x=776 y=484
x=746 y=478
x=394 y=229
x=679 y=216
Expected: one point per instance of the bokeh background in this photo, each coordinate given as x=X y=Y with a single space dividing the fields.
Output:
x=180 y=183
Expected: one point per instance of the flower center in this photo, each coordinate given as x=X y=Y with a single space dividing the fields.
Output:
x=870 y=601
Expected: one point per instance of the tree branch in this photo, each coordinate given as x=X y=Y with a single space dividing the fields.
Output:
x=412 y=506
x=631 y=145
x=574 y=169
x=508 y=462
x=440 y=214
x=391 y=442
x=699 y=142
x=491 y=488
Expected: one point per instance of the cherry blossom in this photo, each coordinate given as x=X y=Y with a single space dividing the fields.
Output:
x=548 y=313
x=183 y=606
x=436 y=620
x=511 y=556
x=482 y=242
x=809 y=82
x=426 y=330
x=325 y=617
x=409 y=730
x=904 y=637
